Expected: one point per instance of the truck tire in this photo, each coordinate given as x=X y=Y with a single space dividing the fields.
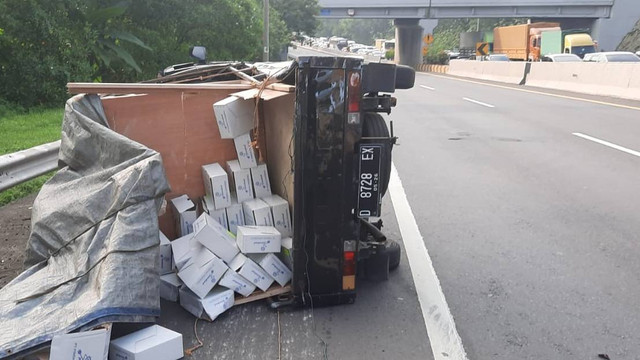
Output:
x=375 y=126
x=393 y=249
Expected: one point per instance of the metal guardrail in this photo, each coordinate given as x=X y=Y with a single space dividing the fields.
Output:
x=27 y=164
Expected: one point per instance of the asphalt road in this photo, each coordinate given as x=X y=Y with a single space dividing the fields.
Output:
x=533 y=231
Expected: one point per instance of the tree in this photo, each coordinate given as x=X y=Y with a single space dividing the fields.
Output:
x=298 y=15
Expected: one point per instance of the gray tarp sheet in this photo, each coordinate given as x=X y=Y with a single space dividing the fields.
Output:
x=93 y=250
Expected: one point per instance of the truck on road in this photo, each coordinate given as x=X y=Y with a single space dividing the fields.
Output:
x=577 y=42
x=521 y=42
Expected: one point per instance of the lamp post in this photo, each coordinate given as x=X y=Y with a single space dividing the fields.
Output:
x=265 y=35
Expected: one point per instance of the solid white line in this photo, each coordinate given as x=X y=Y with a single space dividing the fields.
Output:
x=443 y=336
x=478 y=102
x=427 y=87
x=606 y=143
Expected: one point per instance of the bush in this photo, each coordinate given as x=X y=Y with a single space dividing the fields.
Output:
x=390 y=54
x=440 y=58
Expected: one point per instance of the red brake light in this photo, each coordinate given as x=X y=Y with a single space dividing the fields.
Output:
x=354 y=91
x=349 y=265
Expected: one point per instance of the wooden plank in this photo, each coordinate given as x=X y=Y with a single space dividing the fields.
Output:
x=274 y=290
x=281 y=87
x=140 y=88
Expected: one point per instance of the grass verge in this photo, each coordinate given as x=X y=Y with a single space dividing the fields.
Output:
x=22 y=131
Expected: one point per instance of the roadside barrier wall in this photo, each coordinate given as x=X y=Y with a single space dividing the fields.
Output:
x=507 y=72
x=604 y=79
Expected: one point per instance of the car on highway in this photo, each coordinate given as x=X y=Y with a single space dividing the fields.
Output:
x=612 y=56
x=497 y=57
x=561 y=58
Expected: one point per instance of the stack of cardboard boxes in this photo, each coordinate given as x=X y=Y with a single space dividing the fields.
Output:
x=241 y=239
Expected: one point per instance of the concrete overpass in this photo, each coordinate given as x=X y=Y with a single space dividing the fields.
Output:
x=610 y=19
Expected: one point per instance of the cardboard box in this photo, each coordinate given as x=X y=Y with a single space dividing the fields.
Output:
x=202 y=272
x=166 y=259
x=170 y=286
x=286 y=252
x=183 y=249
x=152 y=343
x=280 y=213
x=247 y=155
x=258 y=239
x=216 y=185
x=274 y=267
x=237 y=262
x=218 y=215
x=255 y=274
x=257 y=212
x=215 y=303
x=260 y=179
x=92 y=344
x=235 y=217
x=237 y=283
x=234 y=116
x=240 y=181
x=215 y=237
x=184 y=212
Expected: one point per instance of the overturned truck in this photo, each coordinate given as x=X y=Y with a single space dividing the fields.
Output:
x=319 y=129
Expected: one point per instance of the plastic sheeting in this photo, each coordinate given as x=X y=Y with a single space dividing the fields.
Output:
x=93 y=249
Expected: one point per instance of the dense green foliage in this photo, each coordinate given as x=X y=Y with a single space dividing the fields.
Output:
x=363 y=31
x=45 y=44
x=298 y=15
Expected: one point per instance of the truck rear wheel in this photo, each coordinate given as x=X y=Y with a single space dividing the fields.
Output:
x=375 y=126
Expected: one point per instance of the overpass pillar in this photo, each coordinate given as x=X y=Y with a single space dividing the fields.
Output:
x=408 y=42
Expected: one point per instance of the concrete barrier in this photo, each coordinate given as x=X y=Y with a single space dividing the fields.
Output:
x=604 y=79
x=512 y=72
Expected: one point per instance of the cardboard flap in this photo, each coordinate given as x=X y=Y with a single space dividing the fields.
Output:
x=267 y=94
x=182 y=203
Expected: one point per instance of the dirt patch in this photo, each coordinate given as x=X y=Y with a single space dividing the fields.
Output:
x=15 y=225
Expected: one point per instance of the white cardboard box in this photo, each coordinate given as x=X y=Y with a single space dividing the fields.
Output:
x=152 y=343
x=183 y=248
x=234 y=116
x=218 y=215
x=274 y=267
x=234 y=281
x=216 y=185
x=255 y=274
x=215 y=303
x=257 y=212
x=215 y=237
x=202 y=272
x=280 y=213
x=166 y=259
x=258 y=239
x=240 y=181
x=170 y=286
x=237 y=262
x=260 y=179
x=92 y=344
x=235 y=217
x=247 y=156
x=184 y=212
x=286 y=252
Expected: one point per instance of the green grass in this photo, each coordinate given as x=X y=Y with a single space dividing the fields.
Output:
x=23 y=131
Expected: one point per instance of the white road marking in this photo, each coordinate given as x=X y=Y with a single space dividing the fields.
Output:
x=443 y=336
x=427 y=87
x=478 y=102
x=606 y=143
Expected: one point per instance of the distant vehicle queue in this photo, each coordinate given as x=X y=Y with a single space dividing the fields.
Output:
x=541 y=41
x=379 y=49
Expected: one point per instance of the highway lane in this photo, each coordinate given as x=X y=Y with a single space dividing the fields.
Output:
x=532 y=230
